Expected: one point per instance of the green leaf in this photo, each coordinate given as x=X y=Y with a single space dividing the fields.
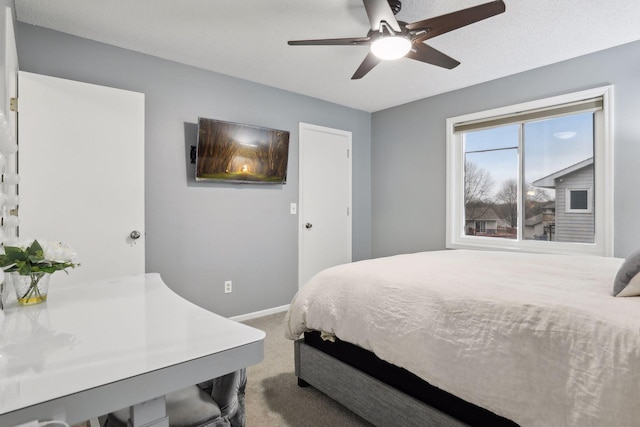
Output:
x=34 y=259
x=35 y=249
x=14 y=253
x=24 y=269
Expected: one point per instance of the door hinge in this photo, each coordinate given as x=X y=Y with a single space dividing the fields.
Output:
x=348 y=211
x=13 y=104
x=347 y=153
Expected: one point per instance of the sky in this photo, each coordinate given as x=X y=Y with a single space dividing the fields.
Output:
x=549 y=146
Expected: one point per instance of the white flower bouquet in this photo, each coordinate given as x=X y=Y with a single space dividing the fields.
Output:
x=35 y=257
x=31 y=263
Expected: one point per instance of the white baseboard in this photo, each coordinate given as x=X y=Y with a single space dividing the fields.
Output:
x=260 y=313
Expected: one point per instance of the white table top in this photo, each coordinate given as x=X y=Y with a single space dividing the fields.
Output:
x=100 y=333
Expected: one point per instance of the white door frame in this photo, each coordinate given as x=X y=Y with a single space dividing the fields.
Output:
x=301 y=188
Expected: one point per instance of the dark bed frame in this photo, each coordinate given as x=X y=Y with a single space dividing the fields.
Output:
x=379 y=392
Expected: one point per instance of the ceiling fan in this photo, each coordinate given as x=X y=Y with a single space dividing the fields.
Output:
x=392 y=39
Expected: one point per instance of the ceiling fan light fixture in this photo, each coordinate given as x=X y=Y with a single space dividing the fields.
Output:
x=391 y=47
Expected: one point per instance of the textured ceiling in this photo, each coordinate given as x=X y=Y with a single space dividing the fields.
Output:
x=248 y=39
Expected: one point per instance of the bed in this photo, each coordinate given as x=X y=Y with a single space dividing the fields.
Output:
x=523 y=339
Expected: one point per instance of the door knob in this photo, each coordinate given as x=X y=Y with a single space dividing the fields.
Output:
x=308 y=225
x=135 y=234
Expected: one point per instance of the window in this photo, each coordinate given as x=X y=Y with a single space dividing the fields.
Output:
x=537 y=176
x=579 y=201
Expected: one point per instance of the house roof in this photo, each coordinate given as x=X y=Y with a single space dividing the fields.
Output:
x=482 y=213
x=549 y=181
x=531 y=221
x=248 y=39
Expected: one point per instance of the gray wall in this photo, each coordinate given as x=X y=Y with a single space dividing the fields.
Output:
x=408 y=148
x=201 y=234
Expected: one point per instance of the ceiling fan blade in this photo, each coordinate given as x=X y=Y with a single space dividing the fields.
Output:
x=367 y=65
x=331 y=42
x=424 y=53
x=454 y=20
x=378 y=11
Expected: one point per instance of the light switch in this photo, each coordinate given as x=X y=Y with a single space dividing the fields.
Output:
x=293 y=209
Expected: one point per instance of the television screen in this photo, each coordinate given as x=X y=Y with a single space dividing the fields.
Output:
x=233 y=152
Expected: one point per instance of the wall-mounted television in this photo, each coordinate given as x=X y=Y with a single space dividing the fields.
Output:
x=240 y=153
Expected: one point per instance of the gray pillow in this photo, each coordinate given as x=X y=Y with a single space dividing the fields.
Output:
x=628 y=275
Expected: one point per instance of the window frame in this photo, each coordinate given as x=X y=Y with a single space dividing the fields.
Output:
x=603 y=180
x=567 y=206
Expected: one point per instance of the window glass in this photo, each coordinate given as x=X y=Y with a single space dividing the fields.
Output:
x=558 y=155
x=579 y=200
x=490 y=181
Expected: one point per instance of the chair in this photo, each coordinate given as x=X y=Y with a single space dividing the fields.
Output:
x=215 y=403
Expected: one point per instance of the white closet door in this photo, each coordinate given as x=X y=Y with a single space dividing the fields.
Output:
x=325 y=200
x=81 y=166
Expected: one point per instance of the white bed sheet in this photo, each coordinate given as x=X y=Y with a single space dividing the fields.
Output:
x=536 y=338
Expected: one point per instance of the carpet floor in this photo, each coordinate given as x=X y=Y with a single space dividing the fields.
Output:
x=273 y=397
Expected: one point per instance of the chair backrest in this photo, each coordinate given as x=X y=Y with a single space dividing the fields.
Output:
x=215 y=403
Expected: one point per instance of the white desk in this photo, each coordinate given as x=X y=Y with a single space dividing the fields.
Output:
x=100 y=346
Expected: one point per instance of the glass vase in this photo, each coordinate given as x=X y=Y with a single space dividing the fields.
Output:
x=31 y=288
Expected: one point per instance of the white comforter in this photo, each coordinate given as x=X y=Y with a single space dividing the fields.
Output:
x=537 y=339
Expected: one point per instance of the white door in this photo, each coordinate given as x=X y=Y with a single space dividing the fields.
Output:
x=325 y=199
x=81 y=167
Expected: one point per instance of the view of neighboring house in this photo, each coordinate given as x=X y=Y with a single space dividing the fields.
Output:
x=542 y=225
x=484 y=221
x=574 y=214
x=570 y=218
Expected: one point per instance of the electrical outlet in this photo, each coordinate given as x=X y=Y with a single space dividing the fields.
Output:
x=228 y=287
